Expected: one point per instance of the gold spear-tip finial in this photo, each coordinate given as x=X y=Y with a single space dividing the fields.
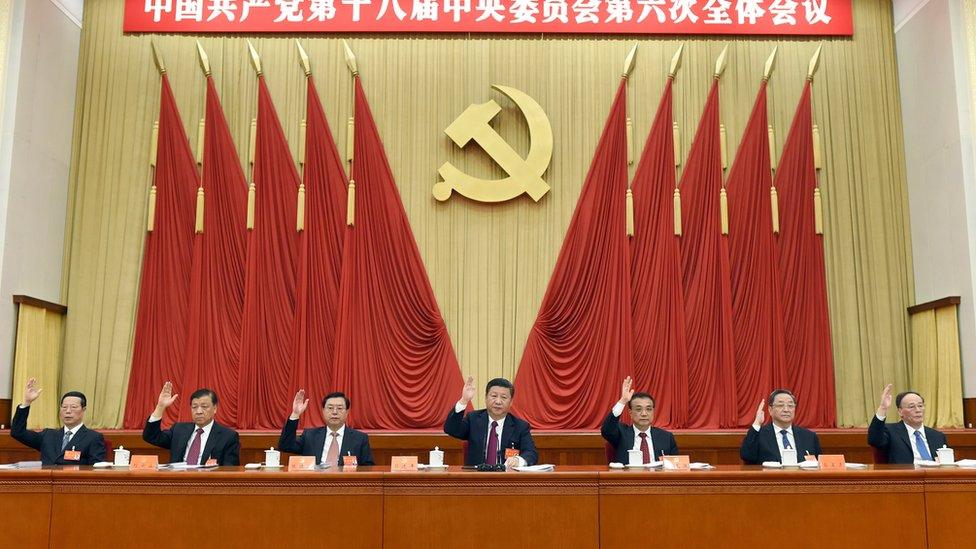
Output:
x=204 y=60
x=255 y=58
x=720 y=63
x=350 y=58
x=629 y=62
x=814 y=63
x=676 y=62
x=157 y=58
x=303 y=59
x=770 y=65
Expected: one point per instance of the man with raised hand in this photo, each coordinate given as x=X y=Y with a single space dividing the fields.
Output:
x=640 y=435
x=766 y=443
x=72 y=444
x=909 y=439
x=331 y=444
x=200 y=442
x=492 y=431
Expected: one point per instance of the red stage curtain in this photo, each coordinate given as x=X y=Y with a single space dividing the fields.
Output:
x=269 y=295
x=217 y=280
x=161 y=319
x=580 y=348
x=320 y=249
x=708 y=296
x=805 y=317
x=757 y=315
x=660 y=348
x=393 y=353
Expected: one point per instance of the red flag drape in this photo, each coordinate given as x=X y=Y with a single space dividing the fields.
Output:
x=757 y=315
x=705 y=272
x=320 y=251
x=269 y=294
x=805 y=315
x=217 y=279
x=580 y=348
x=393 y=353
x=161 y=319
x=660 y=347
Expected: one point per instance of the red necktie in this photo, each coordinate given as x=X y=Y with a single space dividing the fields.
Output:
x=491 y=454
x=193 y=456
x=644 y=448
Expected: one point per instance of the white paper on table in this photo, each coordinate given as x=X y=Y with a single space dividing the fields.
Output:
x=28 y=464
x=8 y=466
x=855 y=466
x=966 y=462
x=926 y=463
x=543 y=468
x=699 y=466
x=772 y=464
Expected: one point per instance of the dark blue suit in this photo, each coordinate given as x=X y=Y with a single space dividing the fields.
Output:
x=516 y=433
x=761 y=446
x=312 y=443
x=90 y=443
x=892 y=439
x=223 y=443
x=621 y=437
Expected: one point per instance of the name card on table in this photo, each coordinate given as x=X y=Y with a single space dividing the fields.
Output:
x=301 y=463
x=350 y=461
x=401 y=464
x=832 y=462
x=144 y=463
x=676 y=463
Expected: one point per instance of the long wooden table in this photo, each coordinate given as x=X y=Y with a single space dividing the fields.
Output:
x=581 y=506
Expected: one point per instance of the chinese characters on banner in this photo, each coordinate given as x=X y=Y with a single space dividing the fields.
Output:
x=757 y=17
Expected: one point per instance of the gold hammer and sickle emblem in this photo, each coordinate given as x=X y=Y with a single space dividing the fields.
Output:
x=524 y=175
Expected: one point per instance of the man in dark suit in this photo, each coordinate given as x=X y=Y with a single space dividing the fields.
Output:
x=651 y=441
x=492 y=432
x=766 y=443
x=331 y=444
x=909 y=439
x=74 y=444
x=202 y=442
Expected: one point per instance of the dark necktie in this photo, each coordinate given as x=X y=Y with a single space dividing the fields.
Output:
x=65 y=440
x=193 y=456
x=645 y=449
x=923 y=448
x=786 y=440
x=491 y=454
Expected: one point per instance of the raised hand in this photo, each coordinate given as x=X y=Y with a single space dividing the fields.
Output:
x=760 y=414
x=299 y=405
x=885 y=401
x=31 y=392
x=166 y=396
x=626 y=390
x=468 y=392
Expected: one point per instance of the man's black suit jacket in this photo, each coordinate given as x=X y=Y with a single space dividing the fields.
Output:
x=473 y=427
x=761 y=446
x=892 y=439
x=90 y=443
x=223 y=443
x=312 y=443
x=621 y=437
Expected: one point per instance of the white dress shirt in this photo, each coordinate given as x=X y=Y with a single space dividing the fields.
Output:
x=330 y=440
x=73 y=432
x=203 y=441
x=779 y=439
x=911 y=439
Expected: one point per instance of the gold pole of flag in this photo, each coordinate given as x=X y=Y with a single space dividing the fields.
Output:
x=153 y=148
x=773 y=195
x=198 y=226
x=676 y=136
x=350 y=138
x=307 y=68
x=817 y=156
x=629 y=200
x=251 y=188
x=720 y=65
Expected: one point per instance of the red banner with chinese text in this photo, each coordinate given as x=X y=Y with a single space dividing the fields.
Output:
x=723 y=17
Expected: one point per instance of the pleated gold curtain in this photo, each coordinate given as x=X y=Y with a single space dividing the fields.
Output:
x=489 y=264
x=40 y=334
x=936 y=370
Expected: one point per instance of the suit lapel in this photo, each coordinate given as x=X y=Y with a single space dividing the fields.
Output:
x=181 y=439
x=901 y=431
x=508 y=429
x=318 y=442
x=346 y=446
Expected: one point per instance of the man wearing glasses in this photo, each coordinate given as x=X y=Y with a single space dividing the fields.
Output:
x=74 y=444
x=331 y=445
x=767 y=442
x=909 y=439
